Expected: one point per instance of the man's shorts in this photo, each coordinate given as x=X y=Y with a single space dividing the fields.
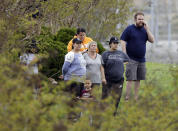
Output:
x=135 y=70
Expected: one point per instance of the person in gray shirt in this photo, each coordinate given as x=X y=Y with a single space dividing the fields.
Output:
x=113 y=63
x=94 y=69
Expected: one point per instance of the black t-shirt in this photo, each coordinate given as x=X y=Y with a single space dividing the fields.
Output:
x=112 y=62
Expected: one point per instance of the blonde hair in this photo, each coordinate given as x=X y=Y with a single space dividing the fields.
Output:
x=90 y=43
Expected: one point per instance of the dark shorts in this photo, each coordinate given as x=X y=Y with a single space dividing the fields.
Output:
x=135 y=70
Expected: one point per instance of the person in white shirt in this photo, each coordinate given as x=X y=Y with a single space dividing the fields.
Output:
x=30 y=60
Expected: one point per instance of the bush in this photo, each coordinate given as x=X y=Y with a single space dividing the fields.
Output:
x=55 y=51
x=65 y=35
x=100 y=48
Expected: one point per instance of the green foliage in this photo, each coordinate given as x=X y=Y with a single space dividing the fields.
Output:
x=100 y=18
x=65 y=35
x=54 y=49
x=100 y=48
x=56 y=109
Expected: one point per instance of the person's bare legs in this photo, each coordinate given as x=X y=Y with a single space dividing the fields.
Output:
x=137 y=86
x=128 y=90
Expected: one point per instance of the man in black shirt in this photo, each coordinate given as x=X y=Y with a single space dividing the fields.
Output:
x=112 y=62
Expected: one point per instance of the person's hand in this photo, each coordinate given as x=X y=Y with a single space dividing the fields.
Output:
x=83 y=52
x=61 y=77
x=145 y=24
x=104 y=81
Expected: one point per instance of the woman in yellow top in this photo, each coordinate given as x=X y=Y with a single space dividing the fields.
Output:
x=81 y=34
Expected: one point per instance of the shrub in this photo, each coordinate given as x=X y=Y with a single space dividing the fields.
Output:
x=65 y=35
x=55 y=51
x=100 y=48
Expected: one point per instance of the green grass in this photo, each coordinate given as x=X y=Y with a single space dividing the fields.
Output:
x=158 y=77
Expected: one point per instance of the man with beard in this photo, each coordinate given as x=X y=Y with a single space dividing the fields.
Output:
x=133 y=41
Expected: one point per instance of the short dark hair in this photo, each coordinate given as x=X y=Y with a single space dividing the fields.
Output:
x=80 y=30
x=77 y=41
x=138 y=13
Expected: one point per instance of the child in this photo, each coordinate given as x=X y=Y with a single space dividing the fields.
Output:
x=87 y=91
x=86 y=96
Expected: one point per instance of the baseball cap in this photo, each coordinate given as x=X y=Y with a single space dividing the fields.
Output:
x=113 y=39
x=77 y=41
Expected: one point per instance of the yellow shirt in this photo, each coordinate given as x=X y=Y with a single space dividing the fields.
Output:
x=84 y=46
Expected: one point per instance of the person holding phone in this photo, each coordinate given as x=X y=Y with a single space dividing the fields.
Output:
x=133 y=42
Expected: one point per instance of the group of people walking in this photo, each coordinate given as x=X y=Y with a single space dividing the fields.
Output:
x=82 y=62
